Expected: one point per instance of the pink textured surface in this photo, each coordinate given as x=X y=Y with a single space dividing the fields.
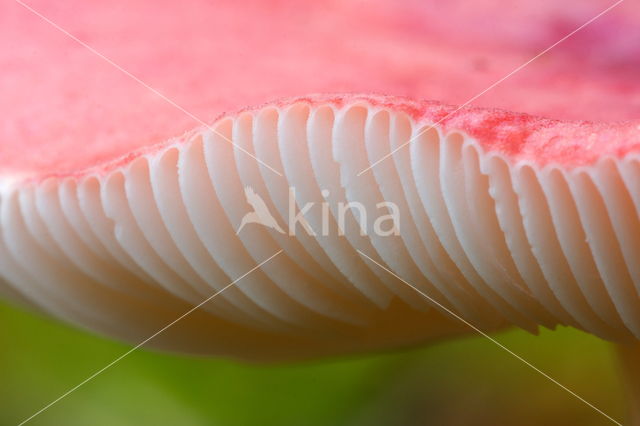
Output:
x=65 y=109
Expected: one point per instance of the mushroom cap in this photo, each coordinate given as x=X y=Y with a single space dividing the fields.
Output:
x=123 y=207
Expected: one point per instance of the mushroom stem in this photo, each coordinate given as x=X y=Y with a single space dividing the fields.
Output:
x=629 y=355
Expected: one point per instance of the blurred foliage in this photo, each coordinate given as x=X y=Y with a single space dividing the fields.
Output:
x=467 y=381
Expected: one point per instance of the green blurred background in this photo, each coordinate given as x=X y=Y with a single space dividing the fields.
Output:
x=468 y=381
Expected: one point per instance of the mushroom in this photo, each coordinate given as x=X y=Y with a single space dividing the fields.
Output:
x=375 y=221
